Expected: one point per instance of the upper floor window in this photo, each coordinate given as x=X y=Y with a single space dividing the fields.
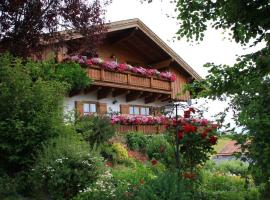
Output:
x=89 y=108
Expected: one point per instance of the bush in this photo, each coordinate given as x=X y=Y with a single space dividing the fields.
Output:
x=30 y=114
x=167 y=186
x=95 y=129
x=115 y=153
x=159 y=148
x=8 y=187
x=65 y=167
x=137 y=141
x=71 y=74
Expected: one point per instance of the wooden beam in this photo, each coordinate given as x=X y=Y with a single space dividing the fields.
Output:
x=145 y=94
x=128 y=37
x=133 y=95
x=118 y=92
x=103 y=93
x=90 y=89
x=152 y=98
x=164 y=96
x=162 y=64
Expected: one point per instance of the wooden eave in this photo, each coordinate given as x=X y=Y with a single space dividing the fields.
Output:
x=139 y=25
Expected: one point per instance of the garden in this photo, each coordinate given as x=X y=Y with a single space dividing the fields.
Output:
x=44 y=155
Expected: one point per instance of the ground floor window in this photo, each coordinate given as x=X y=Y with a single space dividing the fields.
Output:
x=89 y=108
x=139 y=110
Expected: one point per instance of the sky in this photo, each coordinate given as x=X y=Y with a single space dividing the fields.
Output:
x=216 y=46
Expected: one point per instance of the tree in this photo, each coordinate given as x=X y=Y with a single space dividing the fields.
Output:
x=30 y=114
x=24 y=23
x=247 y=82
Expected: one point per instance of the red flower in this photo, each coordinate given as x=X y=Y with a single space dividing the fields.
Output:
x=154 y=162
x=213 y=140
x=191 y=109
x=180 y=135
x=188 y=128
x=89 y=62
x=204 y=134
x=187 y=114
x=214 y=126
x=142 y=182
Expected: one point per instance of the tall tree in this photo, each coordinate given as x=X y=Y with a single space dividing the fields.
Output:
x=24 y=22
x=247 y=82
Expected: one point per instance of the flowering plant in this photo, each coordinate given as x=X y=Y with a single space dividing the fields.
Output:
x=114 y=66
x=139 y=119
x=195 y=139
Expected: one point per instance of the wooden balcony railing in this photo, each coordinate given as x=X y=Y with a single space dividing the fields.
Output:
x=146 y=129
x=129 y=80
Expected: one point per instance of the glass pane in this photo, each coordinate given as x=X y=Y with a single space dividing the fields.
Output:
x=143 y=111
x=147 y=111
x=86 y=108
x=136 y=110
x=131 y=110
x=93 y=108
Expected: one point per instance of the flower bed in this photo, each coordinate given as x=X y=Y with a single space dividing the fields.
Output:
x=114 y=66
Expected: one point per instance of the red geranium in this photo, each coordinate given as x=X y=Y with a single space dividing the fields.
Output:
x=213 y=140
x=191 y=109
x=204 y=134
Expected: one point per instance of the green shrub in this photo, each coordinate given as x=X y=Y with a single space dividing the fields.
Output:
x=137 y=141
x=166 y=187
x=70 y=73
x=30 y=114
x=8 y=187
x=95 y=129
x=65 y=167
x=103 y=188
x=159 y=148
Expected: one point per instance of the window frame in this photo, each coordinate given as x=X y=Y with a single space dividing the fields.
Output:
x=140 y=109
x=89 y=104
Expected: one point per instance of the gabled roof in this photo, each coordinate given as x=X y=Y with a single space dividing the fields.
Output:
x=229 y=149
x=136 y=23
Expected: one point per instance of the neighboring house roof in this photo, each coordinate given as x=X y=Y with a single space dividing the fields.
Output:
x=229 y=149
x=131 y=23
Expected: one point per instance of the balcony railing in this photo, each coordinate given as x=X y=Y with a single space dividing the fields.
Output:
x=129 y=80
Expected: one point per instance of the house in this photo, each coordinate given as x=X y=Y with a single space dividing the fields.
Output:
x=228 y=151
x=128 y=92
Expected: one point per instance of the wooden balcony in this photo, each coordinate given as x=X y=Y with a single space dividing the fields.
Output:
x=129 y=81
x=146 y=129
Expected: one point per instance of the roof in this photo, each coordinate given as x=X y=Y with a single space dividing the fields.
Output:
x=137 y=23
x=229 y=149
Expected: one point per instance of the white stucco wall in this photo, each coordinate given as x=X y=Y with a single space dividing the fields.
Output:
x=69 y=102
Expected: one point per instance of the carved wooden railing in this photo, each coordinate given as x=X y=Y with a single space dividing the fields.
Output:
x=146 y=129
x=128 y=79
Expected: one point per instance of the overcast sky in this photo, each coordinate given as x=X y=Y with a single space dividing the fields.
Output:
x=215 y=47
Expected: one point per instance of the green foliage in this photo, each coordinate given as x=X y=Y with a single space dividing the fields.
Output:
x=194 y=17
x=159 y=148
x=72 y=74
x=247 y=82
x=115 y=153
x=30 y=113
x=65 y=166
x=95 y=129
x=8 y=187
x=167 y=186
x=137 y=141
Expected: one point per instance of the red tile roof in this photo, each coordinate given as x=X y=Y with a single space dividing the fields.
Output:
x=229 y=149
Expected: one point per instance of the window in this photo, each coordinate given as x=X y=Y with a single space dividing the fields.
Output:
x=144 y=111
x=134 y=110
x=139 y=110
x=89 y=108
